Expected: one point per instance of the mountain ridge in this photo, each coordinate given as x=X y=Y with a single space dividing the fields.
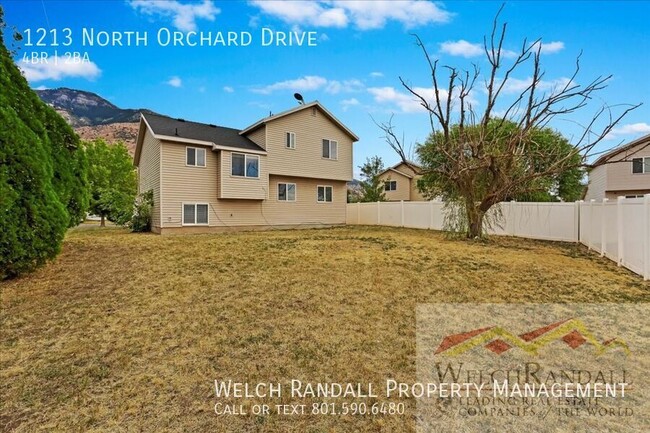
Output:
x=82 y=108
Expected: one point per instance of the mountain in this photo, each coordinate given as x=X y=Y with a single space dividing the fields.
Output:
x=82 y=108
x=93 y=117
x=112 y=133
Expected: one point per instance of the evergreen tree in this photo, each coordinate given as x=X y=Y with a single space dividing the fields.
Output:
x=372 y=188
x=43 y=187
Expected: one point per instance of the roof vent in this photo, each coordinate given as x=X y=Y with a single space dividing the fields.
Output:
x=176 y=132
x=212 y=125
x=180 y=120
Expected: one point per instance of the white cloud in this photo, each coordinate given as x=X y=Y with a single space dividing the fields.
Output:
x=41 y=88
x=228 y=89
x=376 y=74
x=175 y=82
x=347 y=103
x=515 y=85
x=310 y=83
x=550 y=48
x=304 y=12
x=364 y=15
x=183 y=16
x=345 y=86
x=640 y=128
x=468 y=49
x=461 y=48
x=408 y=103
x=57 y=68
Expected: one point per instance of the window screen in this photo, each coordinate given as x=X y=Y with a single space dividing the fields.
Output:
x=191 y=156
x=189 y=216
x=201 y=213
x=238 y=164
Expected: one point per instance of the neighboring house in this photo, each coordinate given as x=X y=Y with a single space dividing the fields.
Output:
x=287 y=170
x=624 y=171
x=400 y=182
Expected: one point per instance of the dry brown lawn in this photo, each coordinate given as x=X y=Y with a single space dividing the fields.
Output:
x=127 y=332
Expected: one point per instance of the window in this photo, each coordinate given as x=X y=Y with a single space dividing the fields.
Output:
x=324 y=194
x=195 y=214
x=641 y=165
x=390 y=185
x=634 y=196
x=286 y=191
x=291 y=140
x=330 y=149
x=195 y=157
x=245 y=165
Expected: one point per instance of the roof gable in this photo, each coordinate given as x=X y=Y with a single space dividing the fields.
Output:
x=301 y=107
x=396 y=169
x=626 y=147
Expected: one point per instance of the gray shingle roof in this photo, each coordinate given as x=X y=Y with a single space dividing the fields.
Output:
x=219 y=135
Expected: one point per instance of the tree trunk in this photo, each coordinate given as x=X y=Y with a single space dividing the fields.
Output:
x=475 y=222
x=103 y=221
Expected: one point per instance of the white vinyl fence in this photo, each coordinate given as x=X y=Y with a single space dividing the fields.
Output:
x=619 y=230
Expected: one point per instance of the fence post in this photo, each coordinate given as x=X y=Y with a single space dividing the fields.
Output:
x=431 y=215
x=401 y=204
x=358 y=212
x=603 y=232
x=591 y=220
x=511 y=218
x=576 y=221
x=646 y=238
x=619 y=229
x=378 y=213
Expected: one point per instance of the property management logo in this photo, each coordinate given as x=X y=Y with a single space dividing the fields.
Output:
x=573 y=332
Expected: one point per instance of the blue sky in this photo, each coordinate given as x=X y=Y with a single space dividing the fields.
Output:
x=362 y=48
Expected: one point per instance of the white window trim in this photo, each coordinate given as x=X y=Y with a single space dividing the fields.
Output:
x=643 y=163
x=195 y=213
x=246 y=157
x=330 y=143
x=324 y=194
x=205 y=157
x=295 y=189
x=292 y=134
x=388 y=182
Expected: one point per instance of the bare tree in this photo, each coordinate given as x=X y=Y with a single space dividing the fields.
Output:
x=486 y=157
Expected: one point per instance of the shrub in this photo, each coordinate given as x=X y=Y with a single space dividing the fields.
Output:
x=141 y=221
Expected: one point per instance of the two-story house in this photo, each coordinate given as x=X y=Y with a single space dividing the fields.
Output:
x=286 y=170
x=623 y=171
x=400 y=182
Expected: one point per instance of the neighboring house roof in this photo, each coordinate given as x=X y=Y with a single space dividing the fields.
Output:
x=606 y=156
x=317 y=104
x=394 y=168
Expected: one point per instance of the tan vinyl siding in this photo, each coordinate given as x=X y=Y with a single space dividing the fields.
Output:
x=236 y=187
x=258 y=137
x=149 y=173
x=306 y=209
x=415 y=193
x=597 y=183
x=403 y=191
x=619 y=174
x=306 y=159
x=183 y=184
